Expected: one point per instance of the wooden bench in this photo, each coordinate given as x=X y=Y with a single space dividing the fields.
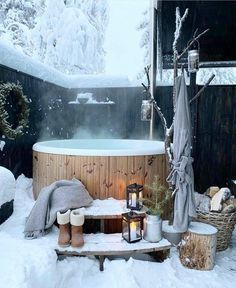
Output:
x=101 y=244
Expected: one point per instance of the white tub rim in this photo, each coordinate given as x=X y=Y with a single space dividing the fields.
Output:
x=142 y=147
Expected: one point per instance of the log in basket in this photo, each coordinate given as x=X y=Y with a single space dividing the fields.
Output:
x=224 y=222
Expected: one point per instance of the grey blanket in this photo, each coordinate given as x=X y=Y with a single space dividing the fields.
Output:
x=59 y=196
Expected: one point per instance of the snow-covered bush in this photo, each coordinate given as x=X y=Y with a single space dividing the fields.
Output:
x=145 y=28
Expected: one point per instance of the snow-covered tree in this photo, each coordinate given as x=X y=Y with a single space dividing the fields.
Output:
x=65 y=34
x=17 y=17
x=145 y=28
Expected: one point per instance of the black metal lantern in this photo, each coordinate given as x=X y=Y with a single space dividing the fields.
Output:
x=132 y=227
x=134 y=194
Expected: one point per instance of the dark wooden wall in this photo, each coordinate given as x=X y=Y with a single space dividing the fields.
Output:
x=46 y=103
x=52 y=117
x=215 y=157
x=218 y=44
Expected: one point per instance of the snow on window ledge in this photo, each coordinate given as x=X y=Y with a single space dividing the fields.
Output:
x=223 y=76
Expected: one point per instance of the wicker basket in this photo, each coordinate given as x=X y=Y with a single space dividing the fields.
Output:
x=224 y=222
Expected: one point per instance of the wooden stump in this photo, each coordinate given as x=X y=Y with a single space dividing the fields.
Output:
x=198 y=246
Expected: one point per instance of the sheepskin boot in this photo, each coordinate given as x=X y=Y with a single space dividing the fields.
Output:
x=77 y=221
x=63 y=219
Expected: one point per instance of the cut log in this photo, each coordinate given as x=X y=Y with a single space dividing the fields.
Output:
x=198 y=246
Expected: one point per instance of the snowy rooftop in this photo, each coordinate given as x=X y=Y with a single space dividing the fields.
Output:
x=17 y=60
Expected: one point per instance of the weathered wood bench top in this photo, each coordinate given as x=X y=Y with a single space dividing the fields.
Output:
x=112 y=244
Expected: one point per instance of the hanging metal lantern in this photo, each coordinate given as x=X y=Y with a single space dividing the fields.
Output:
x=193 y=59
x=134 y=194
x=131 y=227
x=146 y=110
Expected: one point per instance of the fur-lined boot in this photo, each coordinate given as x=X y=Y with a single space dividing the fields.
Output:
x=63 y=219
x=77 y=221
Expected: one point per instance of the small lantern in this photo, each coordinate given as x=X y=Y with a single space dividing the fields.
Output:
x=131 y=227
x=193 y=59
x=146 y=110
x=134 y=193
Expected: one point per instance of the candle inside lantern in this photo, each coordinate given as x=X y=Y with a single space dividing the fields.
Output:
x=133 y=199
x=140 y=197
x=132 y=231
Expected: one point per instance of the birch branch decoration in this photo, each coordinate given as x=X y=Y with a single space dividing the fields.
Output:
x=168 y=132
x=194 y=39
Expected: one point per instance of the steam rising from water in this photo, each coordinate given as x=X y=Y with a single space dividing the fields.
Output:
x=73 y=121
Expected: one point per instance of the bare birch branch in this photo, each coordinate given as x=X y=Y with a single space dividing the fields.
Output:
x=202 y=89
x=192 y=41
x=147 y=87
x=178 y=26
x=162 y=117
x=179 y=21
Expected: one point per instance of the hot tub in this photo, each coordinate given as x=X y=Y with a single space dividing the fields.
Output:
x=105 y=166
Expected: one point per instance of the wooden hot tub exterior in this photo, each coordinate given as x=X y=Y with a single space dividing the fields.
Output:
x=103 y=176
x=104 y=166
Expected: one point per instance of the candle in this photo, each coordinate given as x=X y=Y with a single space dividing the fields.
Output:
x=140 y=197
x=132 y=231
x=134 y=199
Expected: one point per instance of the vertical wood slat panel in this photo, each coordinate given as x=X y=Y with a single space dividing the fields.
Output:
x=113 y=179
x=103 y=177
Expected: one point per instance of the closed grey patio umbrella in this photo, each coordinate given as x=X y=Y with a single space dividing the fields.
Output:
x=181 y=175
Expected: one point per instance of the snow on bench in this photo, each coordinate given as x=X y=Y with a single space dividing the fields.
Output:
x=101 y=244
x=107 y=209
x=112 y=244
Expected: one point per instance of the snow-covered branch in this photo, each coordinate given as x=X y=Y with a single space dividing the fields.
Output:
x=179 y=22
x=147 y=87
x=160 y=114
x=162 y=117
x=66 y=35
x=178 y=26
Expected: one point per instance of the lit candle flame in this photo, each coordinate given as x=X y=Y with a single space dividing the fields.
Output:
x=133 y=227
x=134 y=199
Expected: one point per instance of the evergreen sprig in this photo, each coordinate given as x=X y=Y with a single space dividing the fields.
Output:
x=155 y=202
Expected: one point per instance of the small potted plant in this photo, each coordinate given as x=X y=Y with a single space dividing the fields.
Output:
x=159 y=196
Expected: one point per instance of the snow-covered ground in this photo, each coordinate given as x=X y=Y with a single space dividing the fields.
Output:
x=33 y=263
